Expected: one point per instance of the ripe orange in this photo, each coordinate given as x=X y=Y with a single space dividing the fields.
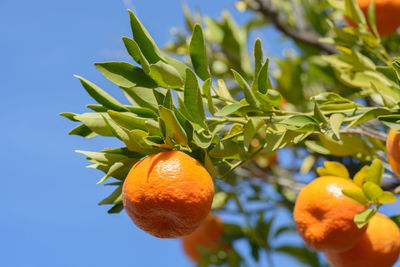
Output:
x=379 y=246
x=387 y=18
x=207 y=236
x=168 y=194
x=324 y=216
x=393 y=150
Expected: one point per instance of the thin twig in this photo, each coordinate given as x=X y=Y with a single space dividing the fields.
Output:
x=297 y=35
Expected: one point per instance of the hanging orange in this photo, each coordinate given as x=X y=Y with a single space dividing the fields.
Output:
x=168 y=194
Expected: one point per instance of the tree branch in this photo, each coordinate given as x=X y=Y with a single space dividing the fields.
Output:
x=301 y=36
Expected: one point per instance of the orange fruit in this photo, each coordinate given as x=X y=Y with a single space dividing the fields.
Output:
x=168 y=194
x=324 y=216
x=393 y=150
x=207 y=236
x=379 y=246
x=387 y=18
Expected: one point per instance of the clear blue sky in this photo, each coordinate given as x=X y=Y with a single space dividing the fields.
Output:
x=49 y=199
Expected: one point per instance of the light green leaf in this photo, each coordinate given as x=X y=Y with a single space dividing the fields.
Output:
x=258 y=57
x=100 y=95
x=143 y=97
x=248 y=94
x=250 y=130
x=387 y=197
x=101 y=157
x=173 y=129
x=132 y=48
x=193 y=100
x=372 y=191
x=301 y=123
x=224 y=149
x=369 y=115
x=136 y=142
x=357 y=195
x=229 y=109
x=198 y=53
x=318 y=115
x=144 y=40
x=95 y=122
x=127 y=121
x=263 y=80
x=336 y=121
x=207 y=92
x=374 y=172
x=333 y=168
x=361 y=219
x=166 y=75
x=358 y=178
x=125 y=75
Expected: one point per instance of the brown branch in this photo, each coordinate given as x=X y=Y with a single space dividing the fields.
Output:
x=309 y=38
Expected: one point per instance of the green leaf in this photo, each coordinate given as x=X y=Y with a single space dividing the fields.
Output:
x=127 y=121
x=391 y=121
x=361 y=219
x=173 y=128
x=198 y=53
x=132 y=48
x=69 y=115
x=114 y=198
x=271 y=97
x=250 y=130
x=354 y=12
x=220 y=199
x=300 y=123
x=224 y=149
x=166 y=75
x=336 y=121
x=208 y=164
x=143 y=97
x=229 y=109
x=95 y=122
x=369 y=115
x=263 y=80
x=207 y=92
x=125 y=75
x=387 y=197
x=358 y=178
x=318 y=115
x=302 y=254
x=82 y=130
x=372 y=191
x=142 y=112
x=136 y=142
x=333 y=168
x=193 y=100
x=357 y=195
x=101 y=157
x=97 y=108
x=117 y=208
x=248 y=94
x=100 y=95
x=374 y=172
x=258 y=56
x=372 y=18
x=118 y=169
x=144 y=40
x=396 y=220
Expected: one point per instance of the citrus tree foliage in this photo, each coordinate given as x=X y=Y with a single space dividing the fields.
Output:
x=330 y=100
